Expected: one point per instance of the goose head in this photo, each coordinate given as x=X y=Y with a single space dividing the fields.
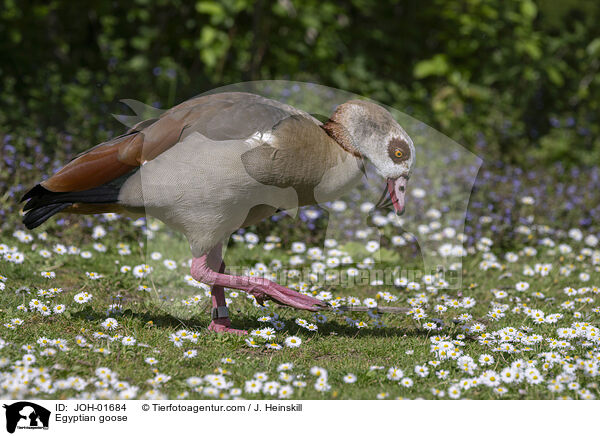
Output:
x=368 y=130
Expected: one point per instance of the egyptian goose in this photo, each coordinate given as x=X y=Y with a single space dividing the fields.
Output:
x=219 y=162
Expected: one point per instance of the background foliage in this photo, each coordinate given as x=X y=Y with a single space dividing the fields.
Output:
x=511 y=79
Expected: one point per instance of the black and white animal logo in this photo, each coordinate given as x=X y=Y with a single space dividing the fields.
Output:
x=26 y=415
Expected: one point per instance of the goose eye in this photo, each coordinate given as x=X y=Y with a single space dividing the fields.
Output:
x=398 y=150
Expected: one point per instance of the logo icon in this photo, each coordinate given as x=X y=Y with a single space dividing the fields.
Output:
x=26 y=415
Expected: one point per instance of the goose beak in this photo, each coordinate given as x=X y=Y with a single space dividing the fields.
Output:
x=396 y=189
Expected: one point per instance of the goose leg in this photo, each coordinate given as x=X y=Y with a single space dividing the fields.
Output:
x=261 y=288
x=220 y=322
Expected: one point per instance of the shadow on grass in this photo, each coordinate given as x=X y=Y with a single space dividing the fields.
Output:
x=160 y=318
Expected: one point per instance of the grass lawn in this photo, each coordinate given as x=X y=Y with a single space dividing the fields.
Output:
x=81 y=316
x=83 y=358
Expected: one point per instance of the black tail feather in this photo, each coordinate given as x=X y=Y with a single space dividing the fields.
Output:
x=36 y=191
x=43 y=203
x=36 y=217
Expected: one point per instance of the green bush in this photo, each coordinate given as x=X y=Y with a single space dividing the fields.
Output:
x=510 y=79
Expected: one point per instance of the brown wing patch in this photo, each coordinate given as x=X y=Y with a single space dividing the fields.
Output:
x=92 y=169
x=150 y=138
x=117 y=157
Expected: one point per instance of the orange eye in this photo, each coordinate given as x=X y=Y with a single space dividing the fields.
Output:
x=398 y=153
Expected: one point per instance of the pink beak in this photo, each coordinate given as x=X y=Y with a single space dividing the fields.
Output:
x=396 y=189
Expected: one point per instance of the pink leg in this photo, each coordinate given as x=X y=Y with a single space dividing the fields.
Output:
x=222 y=324
x=261 y=288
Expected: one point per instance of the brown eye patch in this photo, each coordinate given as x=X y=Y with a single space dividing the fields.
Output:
x=398 y=150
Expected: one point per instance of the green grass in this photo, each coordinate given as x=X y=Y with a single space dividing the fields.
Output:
x=151 y=317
